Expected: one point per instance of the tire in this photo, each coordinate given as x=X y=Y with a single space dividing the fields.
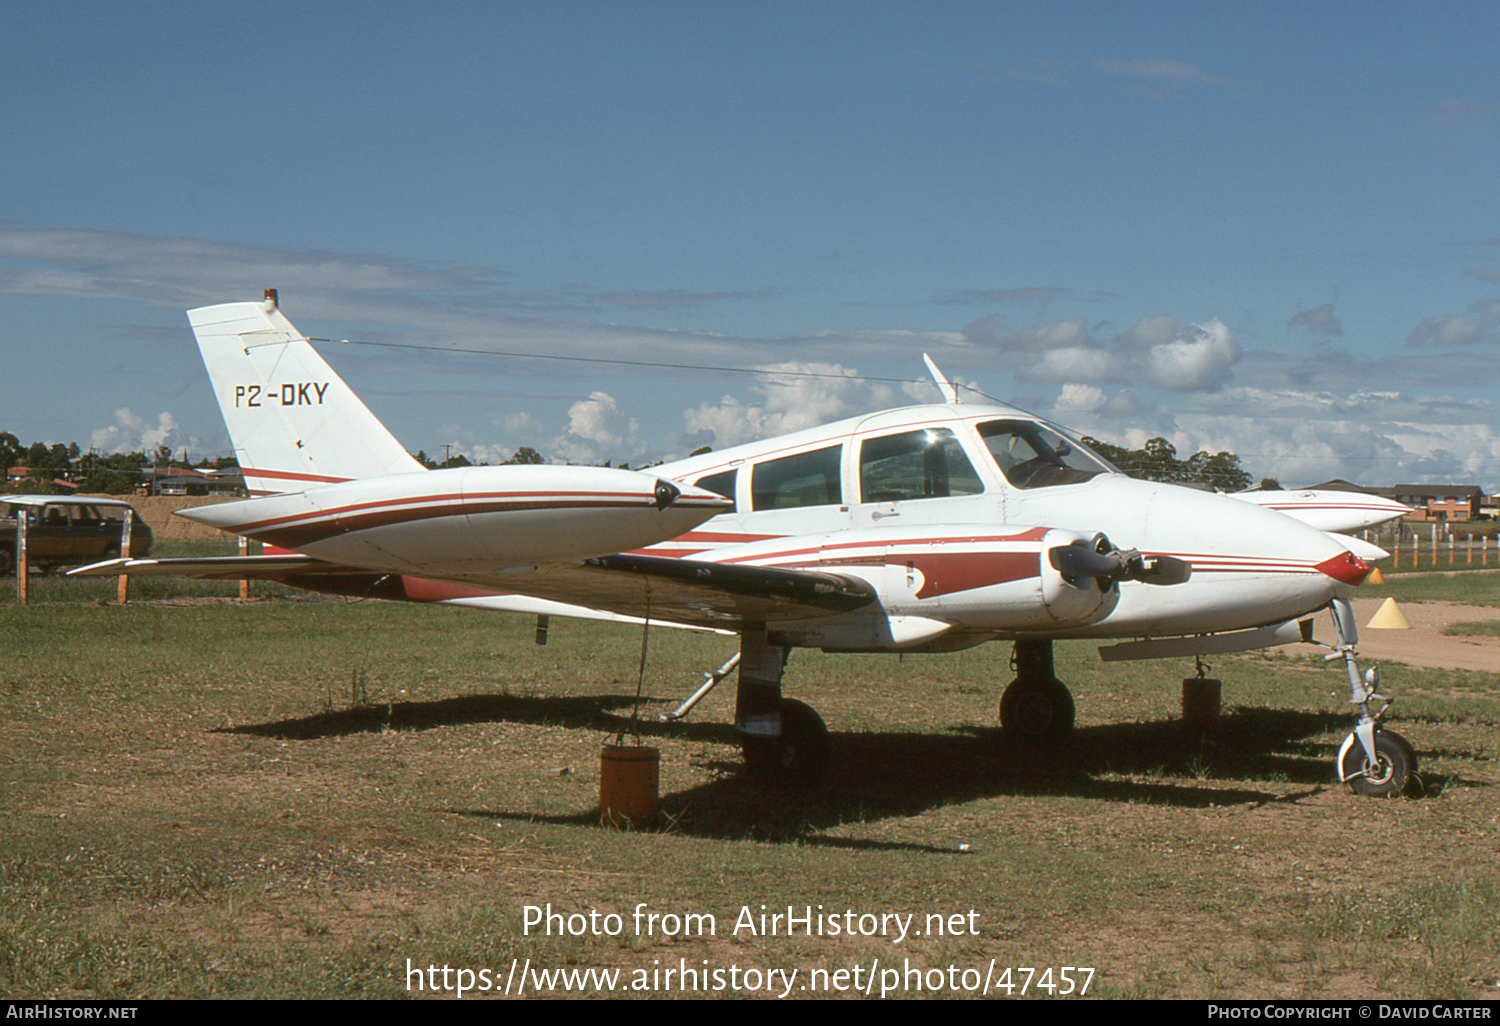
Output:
x=799 y=757
x=1396 y=763
x=1037 y=711
x=7 y=562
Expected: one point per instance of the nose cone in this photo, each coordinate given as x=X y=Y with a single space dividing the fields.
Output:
x=1346 y=568
x=1251 y=565
x=1248 y=538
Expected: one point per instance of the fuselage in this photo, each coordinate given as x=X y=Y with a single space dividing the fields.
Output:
x=942 y=491
x=947 y=518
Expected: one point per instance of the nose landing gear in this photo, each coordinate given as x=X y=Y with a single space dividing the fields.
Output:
x=1372 y=760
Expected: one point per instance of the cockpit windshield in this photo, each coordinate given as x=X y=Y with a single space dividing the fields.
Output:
x=1033 y=455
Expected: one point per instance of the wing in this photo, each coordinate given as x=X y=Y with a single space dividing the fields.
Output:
x=685 y=591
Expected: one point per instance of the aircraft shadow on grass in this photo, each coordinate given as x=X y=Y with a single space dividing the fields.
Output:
x=881 y=774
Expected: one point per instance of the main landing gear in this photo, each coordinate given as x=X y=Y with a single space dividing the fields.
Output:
x=1036 y=707
x=785 y=742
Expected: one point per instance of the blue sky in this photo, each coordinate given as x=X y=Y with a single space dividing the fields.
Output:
x=1271 y=228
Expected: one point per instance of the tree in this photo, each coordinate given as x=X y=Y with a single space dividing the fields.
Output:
x=1221 y=471
x=10 y=450
x=108 y=482
x=525 y=454
x=1157 y=461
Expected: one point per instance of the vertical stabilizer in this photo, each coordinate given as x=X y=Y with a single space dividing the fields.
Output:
x=292 y=420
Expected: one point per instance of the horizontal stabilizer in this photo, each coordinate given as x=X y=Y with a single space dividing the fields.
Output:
x=221 y=568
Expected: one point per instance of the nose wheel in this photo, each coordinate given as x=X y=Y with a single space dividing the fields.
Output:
x=1372 y=760
x=1394 y=764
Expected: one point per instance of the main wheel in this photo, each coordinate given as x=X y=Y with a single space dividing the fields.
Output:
x=1037 y=710
x=7 y=562
x=1395 y=764
x=799 y=757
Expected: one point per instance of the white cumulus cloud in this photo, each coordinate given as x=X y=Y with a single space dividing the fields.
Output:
x=132 y=433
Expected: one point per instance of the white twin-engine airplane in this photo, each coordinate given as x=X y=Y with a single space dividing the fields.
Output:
x=925 y=529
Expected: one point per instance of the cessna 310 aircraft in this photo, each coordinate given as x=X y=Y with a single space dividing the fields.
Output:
x=926 y=529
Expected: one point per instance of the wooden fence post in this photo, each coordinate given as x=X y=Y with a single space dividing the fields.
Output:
x=122 y=590
x=21 y=563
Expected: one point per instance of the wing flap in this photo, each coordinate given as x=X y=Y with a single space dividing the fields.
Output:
x=716 y=592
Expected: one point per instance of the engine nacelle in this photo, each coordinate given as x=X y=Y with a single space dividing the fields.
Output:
x=1044 y=599
x=946 y=589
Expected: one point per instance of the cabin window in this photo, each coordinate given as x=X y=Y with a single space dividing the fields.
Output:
x=806 y=479
x=925 y=464
x=1033 y=455
x=722 y=483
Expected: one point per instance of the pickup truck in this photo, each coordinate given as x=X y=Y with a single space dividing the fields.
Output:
x=61 y=531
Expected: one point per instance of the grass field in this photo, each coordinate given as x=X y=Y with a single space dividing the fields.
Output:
x=291 y=797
